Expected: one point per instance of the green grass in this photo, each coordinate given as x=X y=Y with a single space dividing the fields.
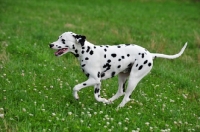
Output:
x=36 y=87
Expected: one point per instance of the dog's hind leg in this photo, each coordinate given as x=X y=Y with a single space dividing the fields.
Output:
x=122 y=77
x=136 y=74
x=97 y=96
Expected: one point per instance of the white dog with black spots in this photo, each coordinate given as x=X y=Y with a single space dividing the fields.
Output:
x=128 y=61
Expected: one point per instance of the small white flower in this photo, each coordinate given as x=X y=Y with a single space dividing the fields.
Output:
x=53 y=114
x=125 y=128
x=30 y=114
x=51 y=86
x=147 y=123
x=1 y=115
x=90 y=115
x=1 y=109
x=69 y=113
x=23 y=109
x=119 y=123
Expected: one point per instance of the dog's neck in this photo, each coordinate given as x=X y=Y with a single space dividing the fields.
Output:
x=80 y=50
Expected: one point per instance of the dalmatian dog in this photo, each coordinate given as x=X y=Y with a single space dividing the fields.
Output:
x=129 y=61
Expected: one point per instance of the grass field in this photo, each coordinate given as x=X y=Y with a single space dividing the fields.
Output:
x=36 y=87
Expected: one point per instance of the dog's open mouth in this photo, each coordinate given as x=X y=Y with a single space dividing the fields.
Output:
x=60 y=52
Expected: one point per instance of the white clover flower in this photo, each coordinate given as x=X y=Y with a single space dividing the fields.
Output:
x=1 y=109
x=53 y=114
x=125 y=128
x=119 y=123
x=69 y=113
x=147 y=123
x=90 y=115
x=1 y=115
x=23 y=109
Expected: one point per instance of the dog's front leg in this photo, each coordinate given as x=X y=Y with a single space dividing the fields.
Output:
x=89 y=82
x=97 y=96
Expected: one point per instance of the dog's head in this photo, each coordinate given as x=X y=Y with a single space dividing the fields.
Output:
x=67 y=42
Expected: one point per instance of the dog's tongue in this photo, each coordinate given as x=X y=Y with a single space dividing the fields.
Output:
x=59 y=52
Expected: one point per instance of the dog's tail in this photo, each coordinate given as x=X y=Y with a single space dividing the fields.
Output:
x=155 y=55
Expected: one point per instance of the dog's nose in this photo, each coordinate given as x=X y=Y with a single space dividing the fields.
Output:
x=51 y=45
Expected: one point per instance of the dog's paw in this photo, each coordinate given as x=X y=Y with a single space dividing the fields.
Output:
x=110 y=102
x=105 y=101
x=76 y=95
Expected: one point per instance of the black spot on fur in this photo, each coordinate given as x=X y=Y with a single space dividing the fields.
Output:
x=118 y=46
x=142 y=55
x=105 y=50
x=137 y=65
x=83 y=47
x=86 y=58
x=145 y=61
x=109 y=61
x=95 y=47
x=124 y=87
x=119 y=66
x=113 y=55
x=73 y=47
x=149 y=64
x=139 y=53
x=91 y=52
x=107 y=66
x=96 y=90
x=103 y=74
x=63 y=41
x=76 y=51
x=105 y=56
x=88 y=49
x=84 y=84
x=87 y=74
x=119 y=59
x=59 y=47
x=98 y=74
x=127 y=44
x=128 y=55
x=83 y=65
x=112 y=74
x=82 y=51
x=140 y=67
x=122 y=57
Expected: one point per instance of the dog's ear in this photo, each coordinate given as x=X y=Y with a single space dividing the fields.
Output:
x=80 y=39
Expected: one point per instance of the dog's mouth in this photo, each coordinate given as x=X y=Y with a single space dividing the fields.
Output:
x=61 y=51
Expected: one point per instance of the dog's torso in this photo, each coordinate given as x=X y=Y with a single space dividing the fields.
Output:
x=108 y=61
